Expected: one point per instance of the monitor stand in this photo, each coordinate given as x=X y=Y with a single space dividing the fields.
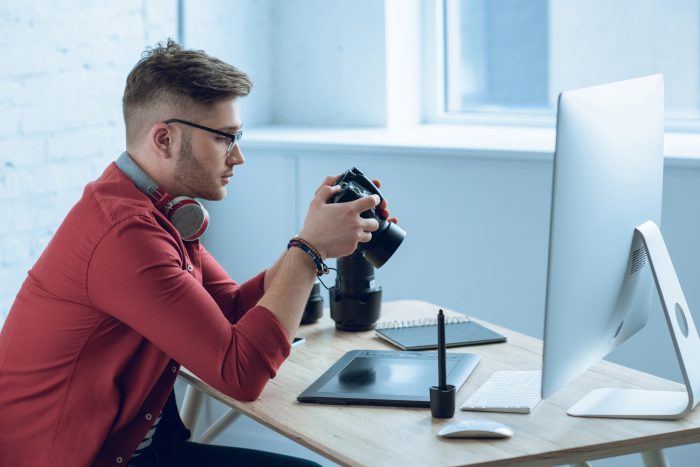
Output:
x=648 y=404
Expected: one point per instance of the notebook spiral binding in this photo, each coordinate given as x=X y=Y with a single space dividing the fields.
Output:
x=415 y=323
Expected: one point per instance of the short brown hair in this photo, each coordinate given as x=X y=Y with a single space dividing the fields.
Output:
x=170 y=79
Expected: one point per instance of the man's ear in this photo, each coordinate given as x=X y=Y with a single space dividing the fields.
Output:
x=162 y=138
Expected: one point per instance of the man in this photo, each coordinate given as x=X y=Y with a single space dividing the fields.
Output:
x=120 y=298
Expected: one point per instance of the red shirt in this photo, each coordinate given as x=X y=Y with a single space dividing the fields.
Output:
x=93 y=342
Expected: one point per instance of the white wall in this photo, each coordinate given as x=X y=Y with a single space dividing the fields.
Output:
x=239 y=33
x=318 y=62
x=343 y=71
x=61 y=81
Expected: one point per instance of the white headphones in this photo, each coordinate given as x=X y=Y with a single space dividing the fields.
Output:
x=186 y=214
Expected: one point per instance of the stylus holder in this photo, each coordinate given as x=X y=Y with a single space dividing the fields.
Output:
x=442 y=401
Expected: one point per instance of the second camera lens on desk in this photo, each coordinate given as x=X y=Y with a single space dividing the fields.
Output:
x=314 y=306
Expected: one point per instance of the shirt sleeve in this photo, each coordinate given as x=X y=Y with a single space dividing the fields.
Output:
x=234 y=300
x=137 y=275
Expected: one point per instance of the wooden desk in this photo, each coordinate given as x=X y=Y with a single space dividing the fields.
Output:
x=369 y=436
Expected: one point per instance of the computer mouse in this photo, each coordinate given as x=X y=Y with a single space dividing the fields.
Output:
x=476 y=428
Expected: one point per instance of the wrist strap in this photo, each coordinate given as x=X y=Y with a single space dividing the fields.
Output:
x=312 y=253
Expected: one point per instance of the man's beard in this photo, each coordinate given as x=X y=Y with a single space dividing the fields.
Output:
x=192 y=175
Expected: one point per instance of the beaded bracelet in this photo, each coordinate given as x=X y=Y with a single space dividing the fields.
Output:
x=308 y=244
x=312 y=252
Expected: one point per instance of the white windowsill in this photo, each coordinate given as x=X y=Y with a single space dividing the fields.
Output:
x=520 y=143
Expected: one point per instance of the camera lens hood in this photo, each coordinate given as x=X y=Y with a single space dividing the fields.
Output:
x=384 y=243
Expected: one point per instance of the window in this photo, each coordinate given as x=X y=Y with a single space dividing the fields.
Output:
x=510 y=59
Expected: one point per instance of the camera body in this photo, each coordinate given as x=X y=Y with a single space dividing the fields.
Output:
x=385 y=240
x=355 y=185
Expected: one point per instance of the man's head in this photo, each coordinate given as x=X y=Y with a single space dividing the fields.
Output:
x=172 y=83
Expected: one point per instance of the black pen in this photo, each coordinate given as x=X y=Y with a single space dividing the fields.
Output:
x=442 y=379
x=442 y=396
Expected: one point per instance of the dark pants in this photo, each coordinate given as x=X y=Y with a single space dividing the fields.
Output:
x=171 y=448
x=190 y=454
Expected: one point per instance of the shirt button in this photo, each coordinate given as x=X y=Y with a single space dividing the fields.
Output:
x=174 y=368
x=190 y=268
x=119 y=460
x=149 y=417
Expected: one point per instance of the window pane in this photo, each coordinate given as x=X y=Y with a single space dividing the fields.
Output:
x=518 y=55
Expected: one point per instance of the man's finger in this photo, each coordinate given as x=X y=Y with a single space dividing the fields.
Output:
x=365 y=237
x=325 y=192
x=365 y=203
x=377 y=183
x=328 y=181
x=370 y=225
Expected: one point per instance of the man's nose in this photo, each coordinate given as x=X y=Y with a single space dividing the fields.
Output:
x=235 y=157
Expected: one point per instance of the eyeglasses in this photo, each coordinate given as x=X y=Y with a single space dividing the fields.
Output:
x=234 y=137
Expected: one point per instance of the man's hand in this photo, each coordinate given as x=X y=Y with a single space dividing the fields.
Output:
x=336 y=229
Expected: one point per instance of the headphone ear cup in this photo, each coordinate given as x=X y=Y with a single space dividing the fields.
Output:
x=189 y=217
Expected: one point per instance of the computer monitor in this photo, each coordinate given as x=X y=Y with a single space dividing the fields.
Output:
x=607 y=186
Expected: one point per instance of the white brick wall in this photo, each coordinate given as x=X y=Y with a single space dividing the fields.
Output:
x=62 y=75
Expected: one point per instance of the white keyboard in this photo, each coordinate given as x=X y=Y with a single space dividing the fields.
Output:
x=507 y=391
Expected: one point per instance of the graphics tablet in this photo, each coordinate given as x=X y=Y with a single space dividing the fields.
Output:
x=386 y=377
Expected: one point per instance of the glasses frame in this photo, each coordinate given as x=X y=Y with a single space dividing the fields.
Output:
x=234 y=137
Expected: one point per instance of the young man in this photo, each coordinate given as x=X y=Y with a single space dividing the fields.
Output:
x=120 y=298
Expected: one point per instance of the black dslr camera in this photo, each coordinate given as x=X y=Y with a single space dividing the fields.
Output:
x=356 y=299
x=385 y=240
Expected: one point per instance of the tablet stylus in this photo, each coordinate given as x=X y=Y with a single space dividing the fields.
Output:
x=442 y=379
x=442 y=396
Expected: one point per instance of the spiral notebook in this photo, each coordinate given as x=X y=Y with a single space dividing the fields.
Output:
x=422 y=334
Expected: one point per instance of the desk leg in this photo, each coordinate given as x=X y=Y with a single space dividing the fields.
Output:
x=220 y=425
x=191 y=407
x=654 y=458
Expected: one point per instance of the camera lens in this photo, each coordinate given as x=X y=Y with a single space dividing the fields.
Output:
x=385 y=241
x=314 y=305
x=355 y=275
x=355 y=300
